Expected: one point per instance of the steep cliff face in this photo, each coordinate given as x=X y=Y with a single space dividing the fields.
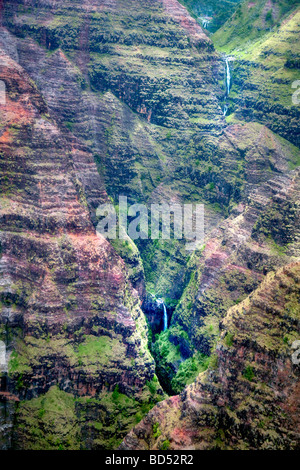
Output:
x=70 y=319
x=249 y=398
x=137 y=83
x=132 y=52
x=109 y=98
x=261 y=234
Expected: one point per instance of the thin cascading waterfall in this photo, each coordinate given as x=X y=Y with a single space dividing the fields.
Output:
x=160 y=302
x=165 y=317
x=228 y=77
x=227 y=83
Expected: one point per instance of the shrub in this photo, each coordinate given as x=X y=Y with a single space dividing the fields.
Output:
x=229 y=339
x=156 y=430
x=165 y=445
x=189 y=370
x=269 y=16
x=116 y=393
x=249 y=373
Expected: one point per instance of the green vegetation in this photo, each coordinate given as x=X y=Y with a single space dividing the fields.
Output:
x=165 y=445
x=218 y=10
x=49 y=422
x=229 y=339
x=277 y=226
x=250 y=23
x=57 y=419
x=69 y=125
x=265 y=47
x=97 y=349
x=156 y=431
x=175 y=371
x=161 y=137
x=233 y=286
x=249 y=373
x=189 y=370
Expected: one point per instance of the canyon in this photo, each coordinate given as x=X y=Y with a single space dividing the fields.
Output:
x=142 y=345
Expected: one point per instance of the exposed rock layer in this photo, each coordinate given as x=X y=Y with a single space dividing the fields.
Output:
x=69 y=313
x=134 y=90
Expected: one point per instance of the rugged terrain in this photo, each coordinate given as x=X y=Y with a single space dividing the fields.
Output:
x=249 y=398
x=107 y=98
x=70 y=319
x=137 y=97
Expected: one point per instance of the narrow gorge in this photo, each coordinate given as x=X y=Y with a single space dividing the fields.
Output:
x=126 y=342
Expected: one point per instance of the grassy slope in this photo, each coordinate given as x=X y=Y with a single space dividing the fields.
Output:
x=157 y=97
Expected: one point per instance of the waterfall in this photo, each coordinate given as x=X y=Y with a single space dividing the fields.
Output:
x=205 y=21
x=3 y=361
x=7 y=407
x=165 y=317
x=228 y=77
x=227 y=83
x=160 y=302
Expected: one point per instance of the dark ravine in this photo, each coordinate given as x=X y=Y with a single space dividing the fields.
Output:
x=107 y=98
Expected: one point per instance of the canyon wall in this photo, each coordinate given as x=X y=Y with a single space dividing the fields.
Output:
x=70 y=319
x=107 y=98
